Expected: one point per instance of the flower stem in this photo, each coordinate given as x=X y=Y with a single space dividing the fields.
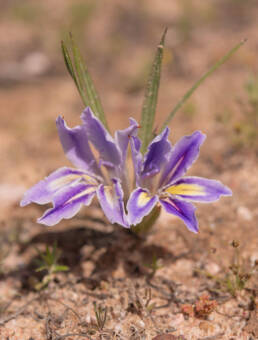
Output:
x=148 y=222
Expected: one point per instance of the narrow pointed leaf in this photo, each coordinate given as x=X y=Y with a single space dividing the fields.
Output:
x=68 y=61
x=199 y=82
x=86 y=83
x=61 y=268
x=40 y=269
x=71 y=69
x=80 y=74
x=151 y=96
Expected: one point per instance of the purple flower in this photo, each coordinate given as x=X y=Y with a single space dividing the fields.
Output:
x=159 y=175
x=159 y=179
x=106 y=176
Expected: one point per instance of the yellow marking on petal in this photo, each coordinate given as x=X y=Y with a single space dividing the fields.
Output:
x=186 y=189
x=143 y=199
x=108 y=191
x=59 y=182
x=89 y=179
x=84 y=192
x=64 y=180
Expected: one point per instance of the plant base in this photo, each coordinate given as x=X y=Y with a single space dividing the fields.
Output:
x=147 y=222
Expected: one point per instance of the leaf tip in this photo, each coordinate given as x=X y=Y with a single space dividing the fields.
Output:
x=163 y=36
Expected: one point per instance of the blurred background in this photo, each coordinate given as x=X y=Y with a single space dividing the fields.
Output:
x=118 y=40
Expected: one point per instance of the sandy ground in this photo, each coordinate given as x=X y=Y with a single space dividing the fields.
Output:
x=187 y=297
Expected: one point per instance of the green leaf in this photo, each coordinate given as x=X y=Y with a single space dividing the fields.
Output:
x=80 y=74
x=151 y=97
x=68 y=62
x=199 y=82
x=40 y=269
x=70 y=67
x=61 y=268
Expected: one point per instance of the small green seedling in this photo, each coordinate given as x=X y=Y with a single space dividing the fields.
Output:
x=49 y=262
x=154 y=265
x=101 y=316
x=148 y=305
x=142 y=305
x=237 y=275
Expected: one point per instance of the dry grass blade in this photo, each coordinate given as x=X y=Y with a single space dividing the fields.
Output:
x=199 y=82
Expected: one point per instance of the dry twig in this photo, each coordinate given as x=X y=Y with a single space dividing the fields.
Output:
x=18 y=312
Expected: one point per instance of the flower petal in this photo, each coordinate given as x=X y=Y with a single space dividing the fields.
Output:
x=67 y=202
x=135 y=144
x=112 y=204
x=76 y=146
x=157 y=154
x=122 y=138
x=198 y=189
x=43 y=191
x=185 y=152
x=183 y=210
x=100 y=138
x=139 y=205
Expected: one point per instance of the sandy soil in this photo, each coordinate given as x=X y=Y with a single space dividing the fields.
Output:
x=108 y=266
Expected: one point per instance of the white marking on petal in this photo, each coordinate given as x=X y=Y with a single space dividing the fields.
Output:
x=62 y=181
x=108 y=192
x=83 y=193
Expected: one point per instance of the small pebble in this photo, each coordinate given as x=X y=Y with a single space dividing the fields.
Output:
x=212 y=268
x=244 y=213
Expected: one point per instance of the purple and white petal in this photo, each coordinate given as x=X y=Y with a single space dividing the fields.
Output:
x=157 y=155
x=140 y=204
x=198 y=189
x=185 y=152
x=111 y=201
x=135 y=144
x=67 y=202
x=43 y=191
x=183 y=210
x=100 y=138
x=122 y=138
x=76 y=146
